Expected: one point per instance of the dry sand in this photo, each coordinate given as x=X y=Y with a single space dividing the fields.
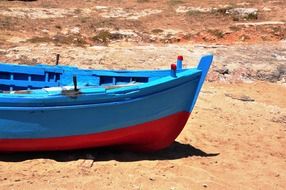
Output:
x=226 y=144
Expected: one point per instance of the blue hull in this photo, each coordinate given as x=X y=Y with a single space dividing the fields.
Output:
x=97 y=108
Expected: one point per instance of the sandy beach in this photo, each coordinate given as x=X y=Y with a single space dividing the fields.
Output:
x=236 y=135
x=227 y=144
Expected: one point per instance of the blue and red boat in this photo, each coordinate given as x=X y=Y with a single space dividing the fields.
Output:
x=60 y=107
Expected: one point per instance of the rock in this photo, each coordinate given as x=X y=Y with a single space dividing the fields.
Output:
x=45 y=31
x=282 y=71
x=222 y=70
x=124 y=33
x=75 y=30
x=245 y=13
x=205 y=185
x=101 y=7
x=243 y=4
x=184 y=9
x=273 y=75
x=260 y=23
x=240 y=97
x=128 y=14
x=42 y=13
x=167 y=36
x=244 y=62
x=237 y=13
x=279 y=57
x=281 y=119
x=266 y=9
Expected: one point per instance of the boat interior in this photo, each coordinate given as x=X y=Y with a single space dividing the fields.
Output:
x=25 y=77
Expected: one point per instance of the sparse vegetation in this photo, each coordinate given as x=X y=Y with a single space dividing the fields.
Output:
x=104 y=37
x=27 y=60
x=244 y=37
x=69 y=39
x=175 y=2
x=83 y=19
x=216 y=32
x=143 y=1
x=46 y=4
x=234 y=28
x=222 y=10
x=235 y=18
x=251 y=17
x=77 y=11
x=40 y=40
x=193 y=12
x=60 y=39
x=58 y=26
x=157 y=31
x=6 y=22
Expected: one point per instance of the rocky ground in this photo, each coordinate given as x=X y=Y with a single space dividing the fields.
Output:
x=232 y=63
x=235 y=138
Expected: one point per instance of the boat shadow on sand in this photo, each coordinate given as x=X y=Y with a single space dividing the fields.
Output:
x=176 y=151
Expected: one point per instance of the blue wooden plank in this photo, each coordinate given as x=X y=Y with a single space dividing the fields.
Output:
x=21 y=69
x=204 y=66
x=22 y=83
x=32 y=123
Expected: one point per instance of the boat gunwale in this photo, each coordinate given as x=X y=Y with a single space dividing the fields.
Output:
x=101 y=90
x=124 y=98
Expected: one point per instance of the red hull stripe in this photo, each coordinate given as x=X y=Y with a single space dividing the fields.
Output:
x=149 y=136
